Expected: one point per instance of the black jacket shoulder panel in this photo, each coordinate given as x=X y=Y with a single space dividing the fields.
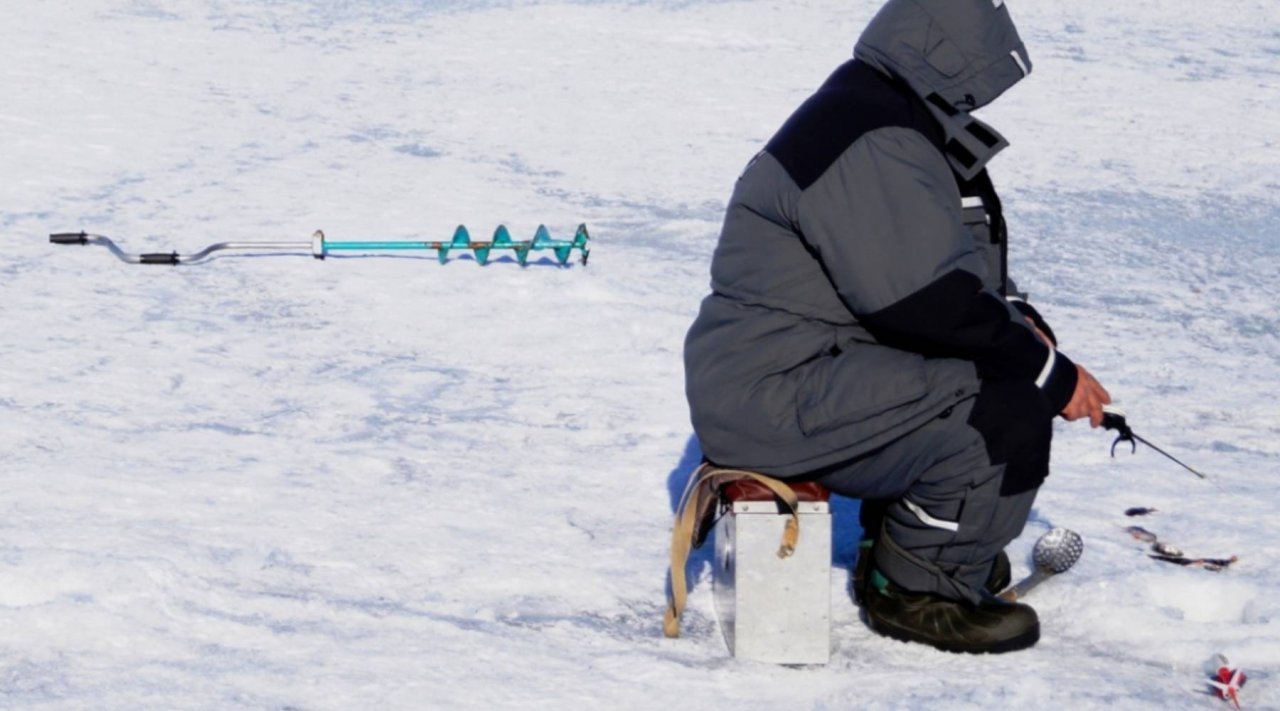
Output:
x=855 y=100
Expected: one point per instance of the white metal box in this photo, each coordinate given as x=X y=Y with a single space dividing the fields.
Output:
x=774 y=609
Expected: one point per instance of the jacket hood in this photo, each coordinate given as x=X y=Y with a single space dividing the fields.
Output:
x=957 y=55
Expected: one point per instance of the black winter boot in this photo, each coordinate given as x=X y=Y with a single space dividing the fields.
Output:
x=1001 y=574
x=999 y=578
x=862 y=570
x=992 y=626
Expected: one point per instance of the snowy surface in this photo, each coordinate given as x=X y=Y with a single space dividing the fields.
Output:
x=272 y=482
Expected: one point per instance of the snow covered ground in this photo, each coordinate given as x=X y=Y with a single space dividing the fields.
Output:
x=274 y=482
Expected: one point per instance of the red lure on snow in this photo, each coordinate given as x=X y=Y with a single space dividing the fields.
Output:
x=1227 y=682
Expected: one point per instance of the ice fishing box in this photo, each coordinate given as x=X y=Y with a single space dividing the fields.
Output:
x=771 y=608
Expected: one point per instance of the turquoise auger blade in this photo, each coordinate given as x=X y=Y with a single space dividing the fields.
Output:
x=541 y=238
x=482 y=249
x=319 y=246
x=461 y=240
x=522 y=252
x=501 y=240
x=579 y=242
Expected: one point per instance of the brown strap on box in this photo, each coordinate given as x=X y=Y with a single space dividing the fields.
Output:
x=692 y=521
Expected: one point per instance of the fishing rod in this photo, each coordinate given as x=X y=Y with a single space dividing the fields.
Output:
x=1113 y=418
x=320 y=247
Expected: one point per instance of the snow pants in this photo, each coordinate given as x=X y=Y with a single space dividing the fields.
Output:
x=943 y=500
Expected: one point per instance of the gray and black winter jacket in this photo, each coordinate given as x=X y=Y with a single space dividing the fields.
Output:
x=859 y=286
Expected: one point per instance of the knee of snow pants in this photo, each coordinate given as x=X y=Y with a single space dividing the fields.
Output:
x=954 y=492
x=943 y=533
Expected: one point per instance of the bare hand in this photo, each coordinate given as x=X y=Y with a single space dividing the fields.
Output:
x=1087 y=400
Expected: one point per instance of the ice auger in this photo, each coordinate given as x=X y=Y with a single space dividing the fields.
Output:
x=319 y=246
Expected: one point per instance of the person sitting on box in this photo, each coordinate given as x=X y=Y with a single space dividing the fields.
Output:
x=862 y=329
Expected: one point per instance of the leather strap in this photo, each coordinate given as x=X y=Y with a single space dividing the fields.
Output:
x=691 y=522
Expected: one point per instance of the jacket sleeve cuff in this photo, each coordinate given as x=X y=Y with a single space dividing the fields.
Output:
x=1057 y=381
x=1030 y=312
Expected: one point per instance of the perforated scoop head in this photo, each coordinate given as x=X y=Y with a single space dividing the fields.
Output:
x=1057 y=550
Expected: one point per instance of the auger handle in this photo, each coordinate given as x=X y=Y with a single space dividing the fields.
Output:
x=158 y=258
x=69 y=238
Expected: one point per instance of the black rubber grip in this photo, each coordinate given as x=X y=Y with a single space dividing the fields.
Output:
x=158 y=258
x=69 y=238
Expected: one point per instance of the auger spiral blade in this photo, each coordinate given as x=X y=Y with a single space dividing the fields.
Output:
x=461 y=240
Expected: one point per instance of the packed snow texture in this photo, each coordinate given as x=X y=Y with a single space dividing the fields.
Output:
x=268 y=481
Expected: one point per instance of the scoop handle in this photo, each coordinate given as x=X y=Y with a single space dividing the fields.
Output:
x=1019 y=590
